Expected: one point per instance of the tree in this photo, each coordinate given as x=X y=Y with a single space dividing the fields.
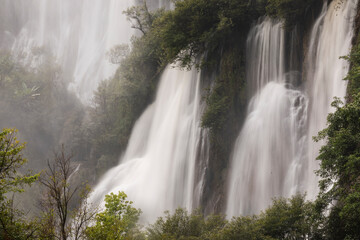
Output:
x=118 y=53
x=284 y=219
x=289 y=219
x=340 y=170
x=182 y=225
x=12 y=225
x=63 y=220
x=117 y=221
x=140 y=17
x=6 y=66
x=291 y=11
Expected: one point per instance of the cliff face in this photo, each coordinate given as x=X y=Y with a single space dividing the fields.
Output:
x=357 y=27
x=228 y=83
x=354 y=84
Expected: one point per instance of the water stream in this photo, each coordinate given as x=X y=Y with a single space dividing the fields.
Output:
x=158 y=168
x=265 y=157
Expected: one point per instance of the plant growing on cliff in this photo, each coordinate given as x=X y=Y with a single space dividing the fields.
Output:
x=292 y=11
x=199 y=26
x=354 y=73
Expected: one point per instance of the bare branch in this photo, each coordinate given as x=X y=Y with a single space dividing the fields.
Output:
x=60 y=193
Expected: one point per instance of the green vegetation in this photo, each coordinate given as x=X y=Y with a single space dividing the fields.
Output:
x=218 y=104
x=36 y=101
x=285 y=219
x=12 y=222
x=353 y=76
x=340 y=168
x=10 y=160
x=181 y=225
x=58 y=219
x=228 y=93
x=292 y=11
x=117 y=221
x=196 y=27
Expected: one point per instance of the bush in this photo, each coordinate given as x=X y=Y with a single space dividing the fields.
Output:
x=292 y=11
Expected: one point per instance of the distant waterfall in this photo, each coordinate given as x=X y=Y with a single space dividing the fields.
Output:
x=265 y=158
x=78 y=33
x=158 y=169
x=274 y=154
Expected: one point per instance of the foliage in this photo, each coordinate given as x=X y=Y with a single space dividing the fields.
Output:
x=12 y=224
x=353 y=76
x=284 y=219
x=35 y=100
x=181 y=225
x=118 y=53
x=141 y=18
x=218 y=104
x=228 y=91
x=199 y=26
x=117 y=221
x=340 y=167
x=292 y=11
x=288 y=219
x=10 y=160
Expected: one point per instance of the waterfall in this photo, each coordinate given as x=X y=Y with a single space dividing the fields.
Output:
x=330 y=39
x=78 y=33
x=274 y=154
x=265 y=54
x=265 y=157
x=158 y=168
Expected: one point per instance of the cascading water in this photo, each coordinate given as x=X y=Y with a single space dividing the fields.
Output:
x=266 y=147
x=265 y=54
x=158 y=168
x=273 y=156
x=330 y=39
